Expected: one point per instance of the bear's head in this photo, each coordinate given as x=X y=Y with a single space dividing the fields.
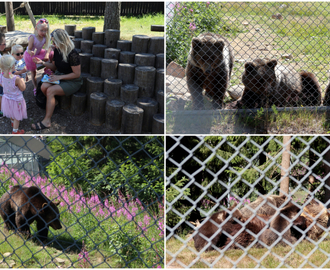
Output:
x=207 y=52
x=51 y=215
x=259 y=76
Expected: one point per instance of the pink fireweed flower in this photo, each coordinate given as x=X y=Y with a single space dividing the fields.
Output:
x=191 y=10
x=192 y=26
x=146 y=220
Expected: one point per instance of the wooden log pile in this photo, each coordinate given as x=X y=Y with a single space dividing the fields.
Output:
x=129 y=77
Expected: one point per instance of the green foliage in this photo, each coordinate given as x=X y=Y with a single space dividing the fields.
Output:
x=244 y=167
x=109 y=164
x=125 y=242
x=187 y=20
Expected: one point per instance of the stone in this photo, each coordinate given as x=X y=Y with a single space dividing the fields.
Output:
x=175 y=70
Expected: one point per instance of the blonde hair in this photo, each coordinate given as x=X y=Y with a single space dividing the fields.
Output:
x=15 y=48
x=7 y=62
x=63 y=42
x=43 y=22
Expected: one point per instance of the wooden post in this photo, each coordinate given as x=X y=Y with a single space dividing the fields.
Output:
x=95 y=66
x=97 y=108
x=87 y=33
x=132 y=118
x=160 y=60
x=150 y=108
x=112 y=88
x=158 y=124
x=10 y=16
x=140 y=43
x=145 y=59
x=78 y=103
x=284 y=186
x=145 y=78
x=29 y=11
x=113 y=114
x=70 y=28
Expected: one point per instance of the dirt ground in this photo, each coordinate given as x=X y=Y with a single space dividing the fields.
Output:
x=62 y=121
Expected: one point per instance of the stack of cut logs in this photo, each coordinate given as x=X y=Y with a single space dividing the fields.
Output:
x=123 y=81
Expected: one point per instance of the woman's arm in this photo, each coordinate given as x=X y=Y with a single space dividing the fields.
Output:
x=76 y=71
x=46 y=64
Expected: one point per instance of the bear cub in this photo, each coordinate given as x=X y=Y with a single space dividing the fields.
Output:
x=267 y=83
x=21 y=206
x=209 y=67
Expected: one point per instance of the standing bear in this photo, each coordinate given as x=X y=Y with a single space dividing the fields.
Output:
x=209 y=67
x=21 y=206
x=267 y=83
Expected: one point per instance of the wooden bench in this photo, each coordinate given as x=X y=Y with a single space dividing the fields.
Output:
x=157 y=28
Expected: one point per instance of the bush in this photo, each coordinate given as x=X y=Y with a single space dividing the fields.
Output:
x=189 y=19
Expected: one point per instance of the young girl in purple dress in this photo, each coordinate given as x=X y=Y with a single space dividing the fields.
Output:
x=13 y=104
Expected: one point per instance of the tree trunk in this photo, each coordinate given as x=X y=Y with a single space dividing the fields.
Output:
x=29 y=11
x=284 y=186
x=327 y=178
x=112 y=15
x=10 y=16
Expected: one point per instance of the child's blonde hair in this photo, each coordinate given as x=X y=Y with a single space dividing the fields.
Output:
x=15 y=48
x=63 y=42
x=7 y=62
x=40 y=23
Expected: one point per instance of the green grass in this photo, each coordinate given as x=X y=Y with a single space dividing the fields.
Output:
x=129 y=26
x=280 y=256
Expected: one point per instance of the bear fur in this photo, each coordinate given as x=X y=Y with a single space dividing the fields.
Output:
x=326 y=100
x=209 y=228
x=269 y=207
x=266 y=83
x=209 y=67
x=284 y=226
x=21 y=206
x=315 y=211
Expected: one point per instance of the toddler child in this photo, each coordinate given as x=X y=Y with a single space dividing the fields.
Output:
x=13 y=103
x=20 y=67
x=40 y=38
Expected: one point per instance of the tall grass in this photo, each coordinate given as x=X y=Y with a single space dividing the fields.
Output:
x=109 y=231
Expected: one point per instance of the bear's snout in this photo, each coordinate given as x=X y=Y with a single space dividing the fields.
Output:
x=56 y=225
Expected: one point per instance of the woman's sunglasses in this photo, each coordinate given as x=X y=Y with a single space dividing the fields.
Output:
x=18 y=54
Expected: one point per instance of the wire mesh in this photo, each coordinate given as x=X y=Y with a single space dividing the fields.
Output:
x=89 y=202
x=244 y=57
x=237 y=201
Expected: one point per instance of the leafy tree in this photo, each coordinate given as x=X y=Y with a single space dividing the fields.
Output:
x=108 y=165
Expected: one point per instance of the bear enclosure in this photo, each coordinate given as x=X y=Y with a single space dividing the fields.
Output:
x=289 y=99
x=93 y=202
x=243 y=201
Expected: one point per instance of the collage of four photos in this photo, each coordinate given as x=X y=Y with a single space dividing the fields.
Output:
x=164 y=134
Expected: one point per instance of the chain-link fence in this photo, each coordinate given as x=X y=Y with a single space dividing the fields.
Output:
x=252 y=60
x=224 y=207
x=93 y=202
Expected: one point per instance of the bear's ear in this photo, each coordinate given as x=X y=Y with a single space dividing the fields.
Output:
x=272 y=64
x=249 y=67
x=57 y=203
x=43 y=206
x=196 y=44
x=219 y=45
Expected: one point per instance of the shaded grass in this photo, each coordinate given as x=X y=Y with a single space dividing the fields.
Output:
x=278 y=256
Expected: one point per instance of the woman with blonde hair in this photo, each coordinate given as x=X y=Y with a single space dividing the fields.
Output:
x=66 y=64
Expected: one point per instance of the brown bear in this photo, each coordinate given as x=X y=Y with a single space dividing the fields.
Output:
x=209 y=67
x=266 y=83
x=210 y=230
x=21 y=206
x=205 y=235
x=326 y=100
x=283 y=227
x=317 y=212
